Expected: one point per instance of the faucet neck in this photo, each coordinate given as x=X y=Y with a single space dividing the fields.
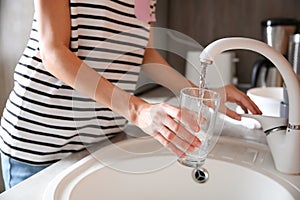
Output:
x=283 y=66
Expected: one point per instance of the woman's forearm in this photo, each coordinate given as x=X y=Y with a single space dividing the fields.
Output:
x=67 y=67
x=53 y=18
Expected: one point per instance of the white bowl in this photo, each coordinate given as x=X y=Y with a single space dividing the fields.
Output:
x=268 y=99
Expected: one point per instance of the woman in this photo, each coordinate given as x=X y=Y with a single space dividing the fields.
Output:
x=74 y=84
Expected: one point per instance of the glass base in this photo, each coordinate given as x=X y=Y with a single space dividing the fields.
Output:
x=191 y=163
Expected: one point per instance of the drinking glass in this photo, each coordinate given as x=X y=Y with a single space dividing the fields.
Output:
x=200 y=105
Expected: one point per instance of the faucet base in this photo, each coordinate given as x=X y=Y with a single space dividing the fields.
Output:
x=285 y=148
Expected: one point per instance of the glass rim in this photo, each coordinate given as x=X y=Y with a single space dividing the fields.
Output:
x=215 y=95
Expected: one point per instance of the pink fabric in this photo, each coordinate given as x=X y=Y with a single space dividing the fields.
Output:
x=142 y=10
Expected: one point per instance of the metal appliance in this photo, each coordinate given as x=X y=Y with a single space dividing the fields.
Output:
x=294 y=59
x=276 y=33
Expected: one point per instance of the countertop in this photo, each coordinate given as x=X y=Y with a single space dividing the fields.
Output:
x=34 y=187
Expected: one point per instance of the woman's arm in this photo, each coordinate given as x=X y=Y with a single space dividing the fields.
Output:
x=158 y=120
x=53 y=18
x=157 y=68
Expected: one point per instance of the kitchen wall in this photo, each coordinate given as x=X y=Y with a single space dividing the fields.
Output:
x=208 y=20
x=15 y=24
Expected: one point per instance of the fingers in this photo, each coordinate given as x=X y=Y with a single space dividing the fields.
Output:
x=250 y=105
x=169 y=145
x=175 y=140
x=171 y=141
x=245 y=105
x=183 y=115
x=236 y=96
x=233 y=115
x=173 y=135
x=181 y=132
x=244 y=101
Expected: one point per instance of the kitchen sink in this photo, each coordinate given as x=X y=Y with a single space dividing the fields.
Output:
x=141 y=168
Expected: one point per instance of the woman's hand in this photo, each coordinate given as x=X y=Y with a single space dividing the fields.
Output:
x=162 y=122
x=229 y=93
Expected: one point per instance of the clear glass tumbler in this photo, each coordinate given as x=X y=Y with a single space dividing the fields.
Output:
x=200 y=105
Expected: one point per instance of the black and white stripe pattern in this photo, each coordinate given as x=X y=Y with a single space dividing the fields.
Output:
x=46 y=120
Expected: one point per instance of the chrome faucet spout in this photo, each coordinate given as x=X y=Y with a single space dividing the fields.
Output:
x=284 y=145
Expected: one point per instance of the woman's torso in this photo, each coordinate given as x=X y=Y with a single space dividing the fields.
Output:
x=45 y=120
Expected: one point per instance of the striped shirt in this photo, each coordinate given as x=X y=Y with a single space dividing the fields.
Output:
x=45 y=120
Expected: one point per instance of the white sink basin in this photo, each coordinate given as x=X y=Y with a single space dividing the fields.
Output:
x=142 y=169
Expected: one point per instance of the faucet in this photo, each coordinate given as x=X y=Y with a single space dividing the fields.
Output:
x=283 y=136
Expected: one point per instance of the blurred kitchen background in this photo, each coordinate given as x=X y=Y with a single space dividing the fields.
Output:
x=202 y=20
x=15 y=25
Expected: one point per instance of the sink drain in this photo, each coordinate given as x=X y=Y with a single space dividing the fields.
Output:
x=200 y=175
